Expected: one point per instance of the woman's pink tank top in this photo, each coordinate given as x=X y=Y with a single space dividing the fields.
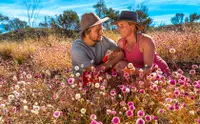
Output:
x=136 y=57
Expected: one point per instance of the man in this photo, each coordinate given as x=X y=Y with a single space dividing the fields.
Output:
x=90 y=50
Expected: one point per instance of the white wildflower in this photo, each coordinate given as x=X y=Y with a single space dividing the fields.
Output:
x=77 y=96
x=83 y=110
x=76 y=68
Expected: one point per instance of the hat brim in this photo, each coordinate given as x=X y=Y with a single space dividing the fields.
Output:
x=97 y=23
x=139 y=26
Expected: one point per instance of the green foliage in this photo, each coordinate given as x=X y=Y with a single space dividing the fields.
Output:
x=100 y=8
x=2 y=20
x=26 y=33
x=177 y=19
x=112 y=14
x=102 y=11
x=2 y=17
x=69 y=20
x=15 y=24
x=44 y=24
x=194 y=17
x=186 y=20
x=143 y=17
x=66 y=24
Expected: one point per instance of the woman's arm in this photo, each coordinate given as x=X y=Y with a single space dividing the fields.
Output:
x=148 y=49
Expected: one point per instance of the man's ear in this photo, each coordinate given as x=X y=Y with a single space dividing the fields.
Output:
x=87 y=32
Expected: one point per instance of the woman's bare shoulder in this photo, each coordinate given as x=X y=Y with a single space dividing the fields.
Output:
x=146 y=36
x=147 y=40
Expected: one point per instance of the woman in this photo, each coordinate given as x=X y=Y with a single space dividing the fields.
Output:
x=139 y=48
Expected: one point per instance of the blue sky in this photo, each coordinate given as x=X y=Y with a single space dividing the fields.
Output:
x=160 y=11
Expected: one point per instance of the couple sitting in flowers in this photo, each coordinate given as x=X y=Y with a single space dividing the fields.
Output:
x=89 y=52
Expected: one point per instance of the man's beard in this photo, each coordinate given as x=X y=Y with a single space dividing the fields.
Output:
x=96 y=41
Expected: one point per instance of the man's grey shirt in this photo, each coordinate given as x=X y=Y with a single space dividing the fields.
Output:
x=84 y=56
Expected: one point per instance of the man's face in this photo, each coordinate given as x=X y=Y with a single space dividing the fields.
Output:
x=96 y=33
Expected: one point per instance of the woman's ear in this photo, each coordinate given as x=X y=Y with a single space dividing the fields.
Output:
x=133 y=27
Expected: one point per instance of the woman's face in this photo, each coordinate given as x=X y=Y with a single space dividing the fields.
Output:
x=124 y=28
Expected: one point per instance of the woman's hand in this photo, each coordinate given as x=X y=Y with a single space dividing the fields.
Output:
x=120 y=66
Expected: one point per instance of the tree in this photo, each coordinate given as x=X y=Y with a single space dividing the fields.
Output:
x=143 y=17
x=33 y=8
x=102 y=11
x=3 y=18
x=186 y=20
x=44 y=24
x=15 y=24
x=69 y=20
x=113 y=15
x=177 y=19
x=100 y=8
x=194 y=17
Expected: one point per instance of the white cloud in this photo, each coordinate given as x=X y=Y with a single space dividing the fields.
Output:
x=162 y=19
x=74 y=6
x=12 y=11
x=54 y=7
x=163 y=2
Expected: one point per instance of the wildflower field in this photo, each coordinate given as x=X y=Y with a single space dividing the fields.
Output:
x=38 y=87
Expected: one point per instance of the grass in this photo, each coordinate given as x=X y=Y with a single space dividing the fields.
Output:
x=37 y=85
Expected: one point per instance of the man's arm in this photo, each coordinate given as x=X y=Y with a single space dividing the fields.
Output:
x=80 y=59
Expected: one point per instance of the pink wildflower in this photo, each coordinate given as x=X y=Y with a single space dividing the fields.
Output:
x=94 y=122
x=124 y=90
x=180 y=71
x=113 y=112
x=114 y=74
x=148 y=118
x=192 y=72
x=129 y=113
x=155 y=118
x=194 y=66
x=198 y=121
x=140 y=121
x=122 y=103
x=131 y=107
x=130 y=103
x=126 y=75
x=115 y=120
x=70 y=81
x=140 y=113
x=197 y=86
x=112 y=92
x=160 y=111
x=172 y=82
x=93 y=117
x=142 y=91
x=56 y=114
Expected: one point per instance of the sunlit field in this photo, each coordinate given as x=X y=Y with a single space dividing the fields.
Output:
x=38 y=87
